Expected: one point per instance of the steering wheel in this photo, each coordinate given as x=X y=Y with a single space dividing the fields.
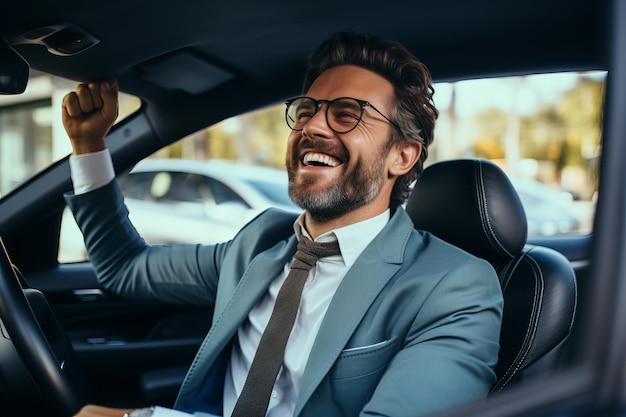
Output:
x=51 y=368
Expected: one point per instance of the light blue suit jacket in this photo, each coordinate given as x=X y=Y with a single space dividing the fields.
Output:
x=413 y=327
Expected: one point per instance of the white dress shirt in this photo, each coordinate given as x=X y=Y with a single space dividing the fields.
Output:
x=323 y=280
x=91 y=171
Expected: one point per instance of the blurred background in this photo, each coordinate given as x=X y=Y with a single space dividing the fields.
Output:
x=543 y=130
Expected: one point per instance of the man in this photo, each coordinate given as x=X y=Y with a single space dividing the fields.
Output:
x=399 y=323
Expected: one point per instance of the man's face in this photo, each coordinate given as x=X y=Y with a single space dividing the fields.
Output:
x=331 y=174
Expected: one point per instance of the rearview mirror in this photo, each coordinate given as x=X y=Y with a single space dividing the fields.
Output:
x=14 y=70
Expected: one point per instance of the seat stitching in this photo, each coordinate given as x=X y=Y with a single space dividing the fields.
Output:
x=536 y=313
x=537 y=297
x=510 y=266
x=483 y=209
x=571 y=323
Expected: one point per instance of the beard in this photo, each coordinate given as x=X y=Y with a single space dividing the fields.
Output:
x=357 y=185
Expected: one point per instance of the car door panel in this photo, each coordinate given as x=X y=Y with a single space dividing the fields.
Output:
x=151 y=344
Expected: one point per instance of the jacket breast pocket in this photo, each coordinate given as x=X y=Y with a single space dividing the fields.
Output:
x=357 y=372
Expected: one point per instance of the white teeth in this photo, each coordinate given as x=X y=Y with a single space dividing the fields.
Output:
x=319 y=158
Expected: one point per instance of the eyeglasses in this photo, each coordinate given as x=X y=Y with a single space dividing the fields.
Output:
x=343 y=114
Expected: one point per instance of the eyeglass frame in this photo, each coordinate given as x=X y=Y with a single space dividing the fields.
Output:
x=318 y=103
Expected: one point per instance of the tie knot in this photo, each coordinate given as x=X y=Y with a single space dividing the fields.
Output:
x=309 y=252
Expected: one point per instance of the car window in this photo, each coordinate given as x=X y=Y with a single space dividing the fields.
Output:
x=543 y=130
x=177 y=187
x=274 y=191
x=137 y=185
x=31 y=132
x=222 y=193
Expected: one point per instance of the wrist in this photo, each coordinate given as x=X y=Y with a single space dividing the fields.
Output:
x=82 y=147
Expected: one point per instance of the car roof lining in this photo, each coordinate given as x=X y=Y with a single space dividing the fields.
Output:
x=556 y=35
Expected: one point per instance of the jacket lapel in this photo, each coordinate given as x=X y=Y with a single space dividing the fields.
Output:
x=364 y=281
x=253 y=284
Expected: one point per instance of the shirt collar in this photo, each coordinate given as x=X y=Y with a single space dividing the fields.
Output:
x=353 y=238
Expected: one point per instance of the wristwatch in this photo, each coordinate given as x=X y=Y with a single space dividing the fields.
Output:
x=141 y=412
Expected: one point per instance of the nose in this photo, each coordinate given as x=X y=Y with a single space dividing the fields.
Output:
x=318 y=124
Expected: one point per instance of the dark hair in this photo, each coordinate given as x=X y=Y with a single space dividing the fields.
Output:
x=413 y=110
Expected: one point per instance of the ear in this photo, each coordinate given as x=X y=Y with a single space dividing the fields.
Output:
x=404 y=156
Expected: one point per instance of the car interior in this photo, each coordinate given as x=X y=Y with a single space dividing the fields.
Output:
x=65 y=342
x=472 y=204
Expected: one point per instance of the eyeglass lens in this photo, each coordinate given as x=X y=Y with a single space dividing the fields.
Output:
x=342 y=115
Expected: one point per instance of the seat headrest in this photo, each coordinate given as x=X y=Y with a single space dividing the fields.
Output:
x=471 y=204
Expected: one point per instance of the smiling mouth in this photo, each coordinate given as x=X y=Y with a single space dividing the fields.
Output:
x=319 y=160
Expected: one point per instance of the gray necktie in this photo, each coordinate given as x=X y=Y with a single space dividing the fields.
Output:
x=268 y=359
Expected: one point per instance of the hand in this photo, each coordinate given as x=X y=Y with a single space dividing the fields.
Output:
x=97 y=411
x=89 y=113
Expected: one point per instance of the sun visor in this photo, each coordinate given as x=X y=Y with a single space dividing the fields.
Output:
x=184 y=71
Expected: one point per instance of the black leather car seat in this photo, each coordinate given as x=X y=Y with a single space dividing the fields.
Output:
x=472 y=204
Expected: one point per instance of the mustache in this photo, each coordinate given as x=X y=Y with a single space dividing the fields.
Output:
x=322 y=146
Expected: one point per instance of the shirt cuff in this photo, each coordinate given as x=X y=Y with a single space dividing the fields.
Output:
x=167 y=412
x=90 y=171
